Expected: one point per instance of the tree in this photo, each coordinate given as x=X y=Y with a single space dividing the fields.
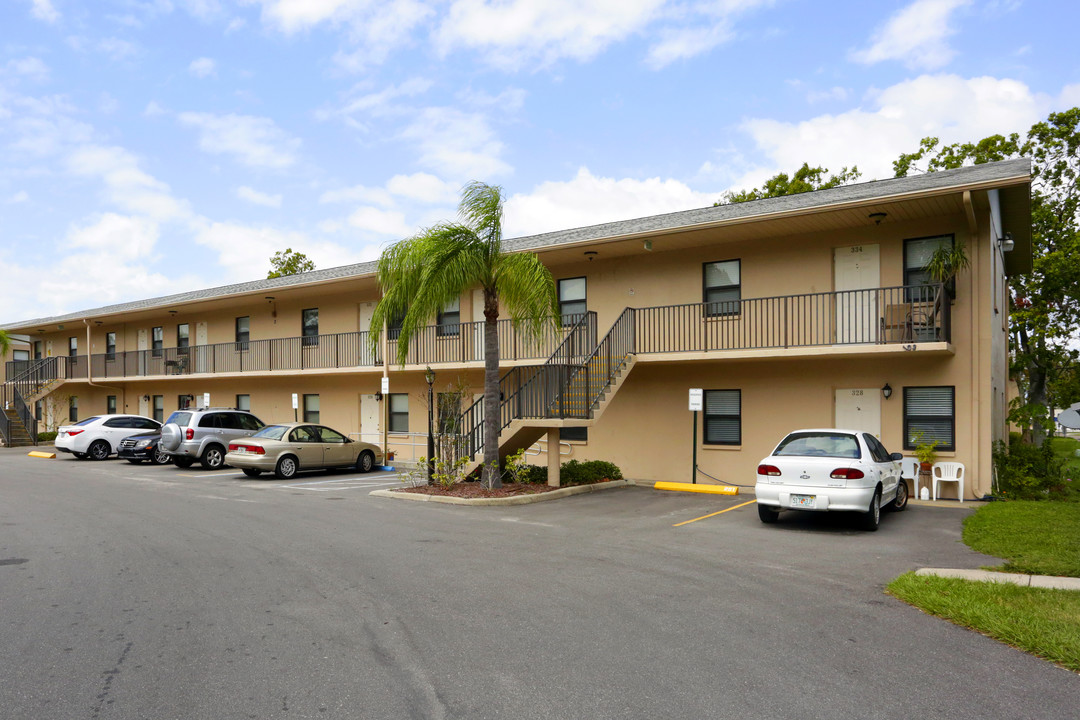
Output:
x=805 y=179
x=420 y=275
x=5 y=343
x=1045 y=303
x=288 y=262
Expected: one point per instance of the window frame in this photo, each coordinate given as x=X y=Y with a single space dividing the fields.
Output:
x=73 y=346
x=911 y=296
x=110 y=346
x=73 y=408
x=448 y=322
x=183 y=342
x=706 y=415
x=308 y=412
x=243 y=338
x=157 y=341
x=110 y=404
x=392 y=415
x=705 y=288
x=309 y=338
x=908 y=418
x=567 y=434
x=238 y=403
x=565 y=318
x=157 y=408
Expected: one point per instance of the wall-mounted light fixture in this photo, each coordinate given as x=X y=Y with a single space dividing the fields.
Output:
x=273 y=310
x=1007 y=243
x=887 y=391
x=378 y=396
x=647 y=244
x=877 y=217
x=146 y=398
x=173 y=312
x=590 y=254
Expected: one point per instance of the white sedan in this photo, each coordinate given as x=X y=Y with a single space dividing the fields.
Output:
x=99 y=436
x=828 y=469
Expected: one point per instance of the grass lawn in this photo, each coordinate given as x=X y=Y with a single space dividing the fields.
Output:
x=1065 y=448
x=1038 y=537
x=1040 y=621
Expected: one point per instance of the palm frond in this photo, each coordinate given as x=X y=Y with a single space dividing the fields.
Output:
x=527 y=291
x=481 y=209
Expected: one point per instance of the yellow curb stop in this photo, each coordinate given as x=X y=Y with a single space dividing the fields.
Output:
x=38 y=453
x=694 y=487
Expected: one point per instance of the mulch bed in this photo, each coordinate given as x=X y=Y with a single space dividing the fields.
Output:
x=476 y=490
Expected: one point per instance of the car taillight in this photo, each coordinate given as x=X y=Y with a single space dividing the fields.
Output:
x=189 y=433
x=847 y=474
x=73 y=432
x=247 y=448
x=768 y=470
x=233 y=447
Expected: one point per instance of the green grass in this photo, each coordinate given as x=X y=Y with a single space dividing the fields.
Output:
x=1041 y=621
x=1038 y=537
x=1065 y=448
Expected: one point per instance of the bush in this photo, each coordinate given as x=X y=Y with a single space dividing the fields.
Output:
x=1026 y=471
x=46 y=436
x=533 y=474
x=573 y=472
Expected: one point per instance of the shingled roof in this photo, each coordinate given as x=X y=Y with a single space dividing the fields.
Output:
x=821 y=199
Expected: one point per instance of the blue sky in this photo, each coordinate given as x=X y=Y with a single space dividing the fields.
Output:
x=149 y=147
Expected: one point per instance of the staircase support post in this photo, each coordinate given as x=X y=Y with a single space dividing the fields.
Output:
x=553 y=456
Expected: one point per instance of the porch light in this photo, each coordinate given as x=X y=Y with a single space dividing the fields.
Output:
x=877 y=217
x=1007 y=243
x=886 y=391
x=591 y=254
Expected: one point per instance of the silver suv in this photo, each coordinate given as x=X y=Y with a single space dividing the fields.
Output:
x=204 y=434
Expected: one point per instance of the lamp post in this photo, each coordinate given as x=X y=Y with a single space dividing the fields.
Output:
x=429 y=375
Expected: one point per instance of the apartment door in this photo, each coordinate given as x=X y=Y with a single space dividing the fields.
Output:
x=859 y=409
x=857 y=271
x=144 y=405
x=201 y=353
x=143 y=344
x=369 y=419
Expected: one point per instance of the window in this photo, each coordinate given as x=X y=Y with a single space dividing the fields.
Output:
x=917 y=253
x=110 y=405
x=249 y=422
x=877 y=450
x=449 y=320
x=722 y=290
x=183 y=402
x=120 y=422
x=304 y=435
x=243 y=332
x=73 y=408
x=574 y=434
x=38 y=349
x=37 y=410
x=310 y=326
x=331 y=436
x=723 y=417
x=73 y=346
x=145 y=424
x=159 y=407
x=157 y=341
x=110 y=346
x=572 y=300
x=243 y=402
x=183 y=339
x=20 y=360
x=393 y=328
x=929 y=414
x=311 y=408
x=399 y=413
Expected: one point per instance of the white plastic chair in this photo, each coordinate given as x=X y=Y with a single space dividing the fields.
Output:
x=948 y=472
x=910 y=469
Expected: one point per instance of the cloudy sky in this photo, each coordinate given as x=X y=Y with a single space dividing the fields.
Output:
x=157 y=146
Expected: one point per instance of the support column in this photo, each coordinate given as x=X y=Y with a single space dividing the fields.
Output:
x=553 y=456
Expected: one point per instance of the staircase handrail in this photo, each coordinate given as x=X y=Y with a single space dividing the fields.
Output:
x=27 y=417
x=41 y=372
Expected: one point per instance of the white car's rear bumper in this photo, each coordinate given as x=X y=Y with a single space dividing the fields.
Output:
x=824 y=498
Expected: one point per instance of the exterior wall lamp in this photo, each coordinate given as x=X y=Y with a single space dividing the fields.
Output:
x=887 y=391
x=877 y=217
x=1007 y=243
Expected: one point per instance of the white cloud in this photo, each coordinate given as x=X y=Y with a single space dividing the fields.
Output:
x=243 y=250
x=456 y=144
x=424 y=188
x=588 y=200
x=915 y=35
x=44 y=10
x=257 y=198
x=835 y=93
x=202 y=67
x=31 y=68
x=380 y=222
x=19 y=197
x=112 y=234
x=116 y=48
x=254 y=141
x=126 y=185
x=686 y=42
x=152 y=109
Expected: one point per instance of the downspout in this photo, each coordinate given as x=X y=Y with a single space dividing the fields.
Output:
x=975 y=343
x=89 y=367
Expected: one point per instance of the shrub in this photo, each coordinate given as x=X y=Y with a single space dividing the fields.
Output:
x=1027 y=471
x=46 y=436
x=590 y=471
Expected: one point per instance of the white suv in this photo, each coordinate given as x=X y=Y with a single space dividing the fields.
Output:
x=99 y=436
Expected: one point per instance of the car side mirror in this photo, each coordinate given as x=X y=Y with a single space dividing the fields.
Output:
x=896 y=456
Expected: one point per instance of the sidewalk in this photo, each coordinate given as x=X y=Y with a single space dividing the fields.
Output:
x=1043 y=581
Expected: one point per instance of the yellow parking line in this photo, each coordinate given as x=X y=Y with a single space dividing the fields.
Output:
x=733 y=507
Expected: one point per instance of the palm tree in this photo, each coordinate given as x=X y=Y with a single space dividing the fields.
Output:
x=5 y=343
x=420 y=275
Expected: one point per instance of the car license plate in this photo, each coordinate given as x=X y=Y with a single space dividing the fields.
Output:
x=803 y=501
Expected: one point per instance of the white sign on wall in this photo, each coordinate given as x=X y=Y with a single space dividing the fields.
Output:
x=386 y=385
x=206 y=399
x=295 y=401
x=696 y=399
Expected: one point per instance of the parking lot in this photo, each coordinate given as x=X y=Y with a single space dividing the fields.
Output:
x=136 y=591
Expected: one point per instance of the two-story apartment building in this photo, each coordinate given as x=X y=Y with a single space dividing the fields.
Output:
x=812 y=310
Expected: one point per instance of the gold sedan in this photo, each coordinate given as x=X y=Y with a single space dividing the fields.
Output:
x=287 y=449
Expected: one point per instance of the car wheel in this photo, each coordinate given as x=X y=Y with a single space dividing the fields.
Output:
x=134 y=462
x=872 y=518
x=900 y=502
x=252 y=472
x=365 y=462
x=286 y=467
x=160 y=457
x=213 y=458
x=98 y=450
x=767 y=514
x=183 y=462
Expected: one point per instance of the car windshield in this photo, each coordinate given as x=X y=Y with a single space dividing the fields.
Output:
x=820 y=444
x=180 y=418
x=87 y=421
x=271 y=432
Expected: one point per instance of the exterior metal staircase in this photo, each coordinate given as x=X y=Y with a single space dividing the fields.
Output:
x=18 y=426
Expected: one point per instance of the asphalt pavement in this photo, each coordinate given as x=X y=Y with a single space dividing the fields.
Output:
x=144 y=592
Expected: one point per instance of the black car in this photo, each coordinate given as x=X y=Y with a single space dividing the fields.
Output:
x=146 y=446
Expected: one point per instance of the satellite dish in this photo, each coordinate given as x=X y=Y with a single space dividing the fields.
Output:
x=1070 y=419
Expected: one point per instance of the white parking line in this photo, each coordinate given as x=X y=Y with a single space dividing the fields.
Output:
x=337 y=483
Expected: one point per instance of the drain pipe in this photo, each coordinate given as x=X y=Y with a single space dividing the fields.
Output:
x=90 y=375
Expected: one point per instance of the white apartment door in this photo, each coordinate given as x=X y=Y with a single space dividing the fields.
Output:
x=855 y=268
x=201 y=353
x=365 y=311
x=143 y=344
x=369 y=419
x=144 y=406
x=859 y=409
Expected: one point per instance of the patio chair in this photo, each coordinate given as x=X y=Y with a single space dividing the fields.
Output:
x=896 y=324
x=910 y=470
x=948 y=472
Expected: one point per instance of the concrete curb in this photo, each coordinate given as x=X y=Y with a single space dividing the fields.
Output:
x=517 y=500
x=1042 y=581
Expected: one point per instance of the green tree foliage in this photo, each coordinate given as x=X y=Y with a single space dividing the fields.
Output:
x=420 y=275
x=5 y=343
x=1045 y=308
x=805 y=179
x=289 y=262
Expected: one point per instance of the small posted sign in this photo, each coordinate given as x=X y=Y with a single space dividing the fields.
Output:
x=696 y=399
x=206 y=399
x=295 y=401
x=385 y=385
